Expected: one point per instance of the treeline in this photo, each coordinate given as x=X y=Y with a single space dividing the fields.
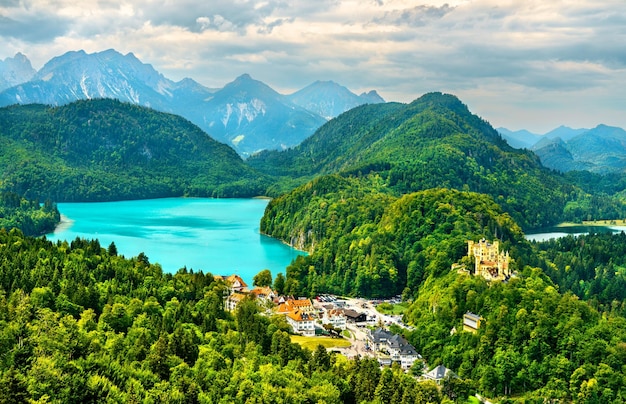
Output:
x=80 y=324
x=99 y=150
x=365 y=242
x=436 y=142
x=31 y=217
x=534 y=344
x=538 y=340
x=592 y=266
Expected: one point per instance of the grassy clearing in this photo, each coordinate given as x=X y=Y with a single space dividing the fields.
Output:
x=312 y=342
x=395 y=309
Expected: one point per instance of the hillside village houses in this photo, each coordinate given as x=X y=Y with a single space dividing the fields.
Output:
x=300 y=314
x=305 y=318
x=439 y=373
x=398 y=349
x=335 y=317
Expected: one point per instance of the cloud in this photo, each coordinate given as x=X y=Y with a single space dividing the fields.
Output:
x=35 y=30
x=416 y=17
x=483 y=49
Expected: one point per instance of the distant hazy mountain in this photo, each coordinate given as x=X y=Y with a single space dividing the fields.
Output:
x=251 y=116
x=523 y=138
x=601 y=150
x=14 y=71
x=519 y=139
x=329 y=99
x=246 y=114
x=564 y=132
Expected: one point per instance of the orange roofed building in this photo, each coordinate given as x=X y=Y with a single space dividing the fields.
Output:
x=263 y=293
x=301 y=322
x=238 y=290
x=290 y=305
x=300 y=314
x=233 y=300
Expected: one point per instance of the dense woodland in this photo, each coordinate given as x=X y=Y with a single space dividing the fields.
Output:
x=367 y=243
x=32 y=217
x=80 y=324
x=101 y=150
x=435 y=142
x=384 y=199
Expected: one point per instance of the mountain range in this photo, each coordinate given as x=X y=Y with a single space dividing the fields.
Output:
x=14 y=71
x=432 y=142
x=600 y=150
x=524 y=139
x=246 y=114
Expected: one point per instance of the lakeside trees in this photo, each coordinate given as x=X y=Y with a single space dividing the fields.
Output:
x=365 y=242
x=103 y=328
x=30 y=217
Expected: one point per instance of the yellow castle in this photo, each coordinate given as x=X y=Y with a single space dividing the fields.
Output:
x=490 y=262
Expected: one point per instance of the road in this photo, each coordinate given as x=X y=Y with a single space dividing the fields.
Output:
x=358 y=333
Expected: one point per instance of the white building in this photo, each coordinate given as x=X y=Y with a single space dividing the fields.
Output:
x=336 y=318
x=396 y=346
x=301 y=323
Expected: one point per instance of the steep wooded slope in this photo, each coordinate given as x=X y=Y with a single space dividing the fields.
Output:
x=107 y=150
x=366 y=242
x=434 y=141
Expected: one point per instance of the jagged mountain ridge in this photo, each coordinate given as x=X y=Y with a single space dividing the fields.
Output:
x=108 y=74
x=15 y=71
x=264 y=119
x=329 y=99
x=601 y=150
x=251 y=116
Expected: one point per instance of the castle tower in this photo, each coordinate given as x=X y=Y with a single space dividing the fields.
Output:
x=489 y=261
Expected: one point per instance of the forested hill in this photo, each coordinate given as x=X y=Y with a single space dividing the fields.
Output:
x=31 y=217
x=365 y=242
x=434 y=141
x=107 y=150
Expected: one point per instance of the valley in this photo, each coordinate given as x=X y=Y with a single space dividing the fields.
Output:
x=383 y=199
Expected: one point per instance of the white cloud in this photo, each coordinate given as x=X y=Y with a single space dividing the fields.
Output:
x=503 y=53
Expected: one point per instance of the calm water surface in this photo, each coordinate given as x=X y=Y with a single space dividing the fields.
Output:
x=548 y=233
x=220 y=236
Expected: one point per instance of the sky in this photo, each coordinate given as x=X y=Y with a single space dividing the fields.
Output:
x=519 y=64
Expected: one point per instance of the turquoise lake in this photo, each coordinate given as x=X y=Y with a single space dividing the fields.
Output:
x=548 y=233
x=220 y=236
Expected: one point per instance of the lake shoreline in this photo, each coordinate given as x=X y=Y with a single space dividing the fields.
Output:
x=216 y=235
x=64 y=224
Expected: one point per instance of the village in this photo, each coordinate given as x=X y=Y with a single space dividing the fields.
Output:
x=358 y=320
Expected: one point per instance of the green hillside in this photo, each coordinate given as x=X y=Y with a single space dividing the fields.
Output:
x=31 y=217
x=106 y=150
x=80 y=324
x=432 y=142
x=366 y=242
